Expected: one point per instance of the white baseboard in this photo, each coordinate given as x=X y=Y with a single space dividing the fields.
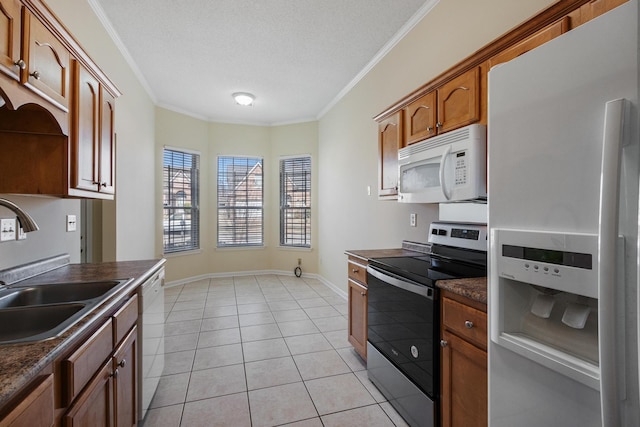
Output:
x=321 y=279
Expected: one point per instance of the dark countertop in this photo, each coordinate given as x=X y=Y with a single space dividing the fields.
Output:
x=20 y=363
x=367 y=254
x=474 y=288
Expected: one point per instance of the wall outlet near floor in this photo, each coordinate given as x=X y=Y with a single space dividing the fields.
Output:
x=412 y=219
x=71 y=223
x=7 y=229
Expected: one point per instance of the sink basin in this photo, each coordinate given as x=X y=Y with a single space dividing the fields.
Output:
x=37 y=322
x=55 y=293
x=43 y=311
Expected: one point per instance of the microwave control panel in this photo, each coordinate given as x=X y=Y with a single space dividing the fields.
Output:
x=461 y=168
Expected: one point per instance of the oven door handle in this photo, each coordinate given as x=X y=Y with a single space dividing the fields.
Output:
x=402 y=283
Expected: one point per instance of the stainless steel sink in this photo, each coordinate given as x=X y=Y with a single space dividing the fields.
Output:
x=44 y=311
x=56 y=293
x=38 y=323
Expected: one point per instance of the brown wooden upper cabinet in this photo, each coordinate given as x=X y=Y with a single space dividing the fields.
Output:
x=48 y=62
x=10 y=37
x=389 y=142
x=452 y=105
x=539 y=38
x=92 y=135
x=592 y=9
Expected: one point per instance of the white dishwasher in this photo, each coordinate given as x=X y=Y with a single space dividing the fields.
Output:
x=150 y=339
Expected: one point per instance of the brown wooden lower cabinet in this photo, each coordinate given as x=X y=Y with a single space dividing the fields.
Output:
x=358 y=317
x=464 y=392
x=357 y=288
x=36 y=409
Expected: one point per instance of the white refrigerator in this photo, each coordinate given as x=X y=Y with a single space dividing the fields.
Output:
x=563 y=156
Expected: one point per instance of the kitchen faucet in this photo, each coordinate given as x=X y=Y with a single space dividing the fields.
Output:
x=27 y=223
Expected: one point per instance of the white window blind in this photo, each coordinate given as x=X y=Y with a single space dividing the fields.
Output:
x=240 y=201
x=295 y=201
x=180 y=197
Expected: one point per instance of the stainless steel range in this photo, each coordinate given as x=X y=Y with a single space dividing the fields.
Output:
x=404 y=317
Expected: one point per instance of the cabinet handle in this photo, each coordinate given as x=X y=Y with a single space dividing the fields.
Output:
x=443 y=343
x=20 y=64
x=429 y=128
x=114 y=374
x=355 y=270
x=35 y=75
x=363 y=293
x=438 y=125
x=104 y=184
x=123 y=363
x=468 y=324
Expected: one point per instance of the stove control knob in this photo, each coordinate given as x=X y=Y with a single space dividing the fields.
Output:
x=468 y=324
x=443 y=343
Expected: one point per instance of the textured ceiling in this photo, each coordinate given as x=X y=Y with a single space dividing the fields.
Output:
x=296 y=56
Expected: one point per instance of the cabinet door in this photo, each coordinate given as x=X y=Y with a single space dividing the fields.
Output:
x=10 y=36
x=85 y=133
x=94 y=406
x=595 y=8
x=464 y=383
x=126 y=381
x=107 y=168
x=459 y=101
x=358 y=318
x=420 y=119
x=541 y=37
x=36 y=409
x=389 y=141
x=48 y=64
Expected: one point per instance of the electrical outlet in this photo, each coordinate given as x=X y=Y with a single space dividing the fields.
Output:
x=412 y=219
x=71 y=223
x=7 y=229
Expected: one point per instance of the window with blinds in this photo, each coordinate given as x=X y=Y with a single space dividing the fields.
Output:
x=180 y=196
x=240 y=201
x=295 y=201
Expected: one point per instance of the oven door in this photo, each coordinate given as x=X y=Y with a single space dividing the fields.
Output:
x=403 y=326
x=401 y=358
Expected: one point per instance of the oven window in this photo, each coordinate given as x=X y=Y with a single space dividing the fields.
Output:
x=403 y=325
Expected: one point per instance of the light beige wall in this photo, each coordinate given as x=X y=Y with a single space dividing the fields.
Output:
x=349 y=219
x=128 y=228
x=212 y=140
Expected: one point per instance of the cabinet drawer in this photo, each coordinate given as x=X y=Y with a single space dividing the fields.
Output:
x=82 y=364
x=469 y=323
x=124 y=319
x=358 y=272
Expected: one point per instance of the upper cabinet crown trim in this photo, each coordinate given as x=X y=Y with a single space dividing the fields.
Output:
x=546 y=17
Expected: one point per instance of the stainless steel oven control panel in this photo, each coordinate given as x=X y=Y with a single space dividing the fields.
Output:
x=467 y=236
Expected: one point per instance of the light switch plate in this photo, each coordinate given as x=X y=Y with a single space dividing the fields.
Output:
x=412 y=219
x=7 y=229
x=71 y=223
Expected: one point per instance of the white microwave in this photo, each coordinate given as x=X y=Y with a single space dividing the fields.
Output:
x=447 y=168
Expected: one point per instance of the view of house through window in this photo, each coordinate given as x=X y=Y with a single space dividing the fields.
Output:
x=240 y=201
x=295 y=201
x=180 y=188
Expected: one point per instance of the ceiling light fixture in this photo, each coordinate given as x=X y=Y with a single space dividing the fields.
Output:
x=244 y=98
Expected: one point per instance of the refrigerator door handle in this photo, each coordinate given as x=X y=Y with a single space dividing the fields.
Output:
x=607 y=245
x=443 y=181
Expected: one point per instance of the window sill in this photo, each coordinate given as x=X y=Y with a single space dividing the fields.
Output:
x=182 y=253
x=240 y=248
x=295 y=248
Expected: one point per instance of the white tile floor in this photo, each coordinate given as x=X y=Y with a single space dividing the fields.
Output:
x=262 y=351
